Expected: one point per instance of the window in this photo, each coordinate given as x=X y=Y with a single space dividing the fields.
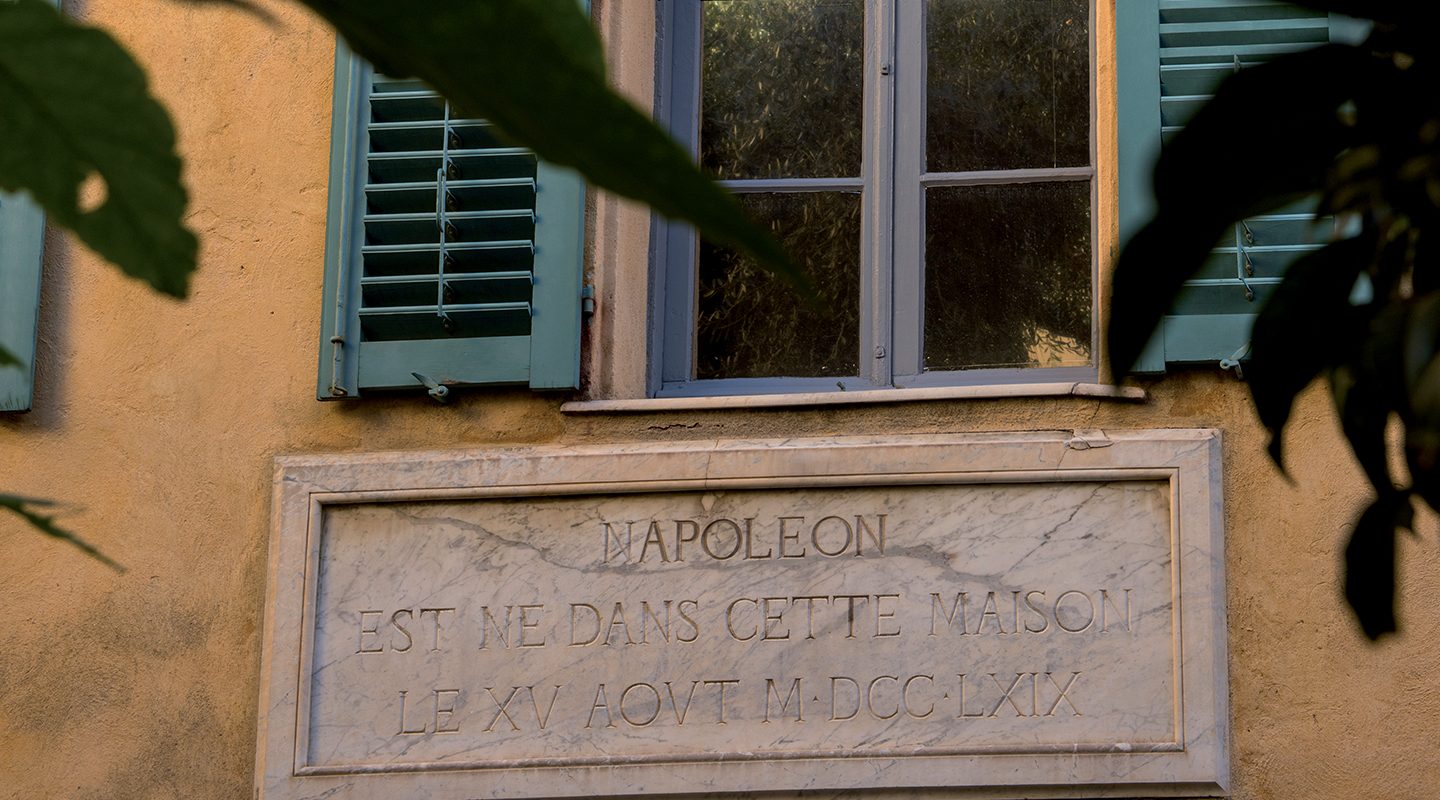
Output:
x=930 y=164
x=22 y=237
x=452 y=259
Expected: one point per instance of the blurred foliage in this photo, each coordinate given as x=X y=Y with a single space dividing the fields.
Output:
x=1008 y=85
x=81 y=132
x=749 y=326
x=1008 y=276
x=1359 y=127
x=1007 y=267
x=74 y=107
x=554 y=99
x=781 y=97
x=782 y=88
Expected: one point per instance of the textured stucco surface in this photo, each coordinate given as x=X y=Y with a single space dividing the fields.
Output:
x=156 y=422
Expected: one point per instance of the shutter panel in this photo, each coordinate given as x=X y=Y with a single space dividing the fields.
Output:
x=22 y=237
x=451 y=254
x=22 y=247
x=1171 y=54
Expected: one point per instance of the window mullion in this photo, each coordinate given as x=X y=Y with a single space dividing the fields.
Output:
x=877 y=234
x=677 y=246
x=908 y=213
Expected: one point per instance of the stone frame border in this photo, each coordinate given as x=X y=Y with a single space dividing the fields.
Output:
x=1197 y=764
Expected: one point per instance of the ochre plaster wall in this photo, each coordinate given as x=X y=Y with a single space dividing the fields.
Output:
x=156 y=422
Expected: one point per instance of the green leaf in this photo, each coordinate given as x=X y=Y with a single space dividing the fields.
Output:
x=1303 y=328
x=74 y=106
x=1367 y=388
x=535 y=69
x=1370 y=563
x=27 y=509
x=8 y=359
x=1422 y=377
x=1268 y=137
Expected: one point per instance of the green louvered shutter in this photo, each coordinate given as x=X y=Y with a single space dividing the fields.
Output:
x=22 y=237
x=1171 y=54
x=451 y=255
x=22 y=247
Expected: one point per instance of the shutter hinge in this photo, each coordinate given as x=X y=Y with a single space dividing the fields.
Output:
x=587 y=300
x=438 y=391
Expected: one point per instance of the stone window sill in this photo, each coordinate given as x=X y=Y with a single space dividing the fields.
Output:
x=808 y=399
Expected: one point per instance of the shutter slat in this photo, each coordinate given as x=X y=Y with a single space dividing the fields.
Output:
x=1222 y=297
x=1210 y=33
x=456 y=247
x=1215 y=55
x=383 y=84
x=1194 y=79
x=419 y=228
x=1269 y=262
x=406 y=107
x=410 y=290
x=415 y=166
x=491 y=194
x=388 y=137
x=466 y=320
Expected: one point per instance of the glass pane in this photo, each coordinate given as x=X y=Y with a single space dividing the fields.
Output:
x=781 y=88
x=751 y=325
x=1008 y=84
x=1007 y=276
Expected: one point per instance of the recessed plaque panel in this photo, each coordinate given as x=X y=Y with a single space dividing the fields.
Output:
x=750 y=616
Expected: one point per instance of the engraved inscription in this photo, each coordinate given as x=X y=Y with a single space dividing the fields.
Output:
x=790 y=621
x=745 y=539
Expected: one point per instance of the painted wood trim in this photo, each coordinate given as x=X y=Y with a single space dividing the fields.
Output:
x=339 y=365
x=492 y=360
x=559 y=272
x=22 y=246
x=1137 y=75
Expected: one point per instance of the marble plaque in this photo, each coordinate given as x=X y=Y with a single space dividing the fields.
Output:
x=1014 y=615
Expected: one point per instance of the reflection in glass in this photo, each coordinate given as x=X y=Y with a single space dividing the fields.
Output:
x=750 y=324
x=1008 y=84
x=781 y=88
x=1007 y=276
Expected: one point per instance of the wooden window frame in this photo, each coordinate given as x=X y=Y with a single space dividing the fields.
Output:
x=892 y=180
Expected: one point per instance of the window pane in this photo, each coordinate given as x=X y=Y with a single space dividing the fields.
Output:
x=1007 y=276
x=751 y=325
x=782 y=88
x=1008 y=84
